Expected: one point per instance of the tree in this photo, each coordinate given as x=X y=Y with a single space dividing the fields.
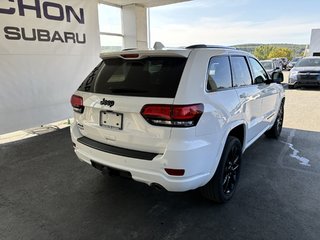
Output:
x=262 y=52
x=281 y=53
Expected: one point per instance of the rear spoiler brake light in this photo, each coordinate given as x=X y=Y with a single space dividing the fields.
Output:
x=130 y=55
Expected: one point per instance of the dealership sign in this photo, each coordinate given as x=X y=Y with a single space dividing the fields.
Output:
x=44 y=45
x=47 y=10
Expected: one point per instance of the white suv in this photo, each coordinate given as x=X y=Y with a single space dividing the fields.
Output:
x=176 y=119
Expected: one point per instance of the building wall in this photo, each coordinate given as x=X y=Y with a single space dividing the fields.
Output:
x=314 y=49
x=46 y=49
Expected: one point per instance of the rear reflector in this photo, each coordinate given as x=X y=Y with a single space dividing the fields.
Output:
x=77 y=103
x=174 y=172
x=172 y=115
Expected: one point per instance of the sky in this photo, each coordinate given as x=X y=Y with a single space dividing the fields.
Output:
x=230 y=22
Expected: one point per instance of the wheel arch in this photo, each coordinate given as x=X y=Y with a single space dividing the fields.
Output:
x=239 y=132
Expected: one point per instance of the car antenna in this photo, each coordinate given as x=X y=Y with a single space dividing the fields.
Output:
x=158 y=46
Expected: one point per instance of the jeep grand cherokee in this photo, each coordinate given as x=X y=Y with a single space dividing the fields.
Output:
x=177 y=119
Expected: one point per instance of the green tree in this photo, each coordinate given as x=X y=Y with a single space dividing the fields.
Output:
x=281 y=52
x=262 y=52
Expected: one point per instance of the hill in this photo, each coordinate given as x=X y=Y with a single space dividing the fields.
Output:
x=298 y=49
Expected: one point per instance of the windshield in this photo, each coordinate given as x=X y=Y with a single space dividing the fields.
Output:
x=267 y=65
x=309 y=62
x=295 y=60
x=147 y=77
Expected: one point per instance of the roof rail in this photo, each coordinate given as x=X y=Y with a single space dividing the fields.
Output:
x=208 y=46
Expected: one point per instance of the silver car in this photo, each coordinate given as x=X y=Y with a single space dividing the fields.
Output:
x=305 y=73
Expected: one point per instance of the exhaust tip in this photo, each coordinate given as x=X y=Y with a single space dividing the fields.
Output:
x=158 y=187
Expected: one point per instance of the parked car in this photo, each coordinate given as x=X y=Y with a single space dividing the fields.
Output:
x=176 y=119
x=272 y=67
x=305 y=73
x=293 y=62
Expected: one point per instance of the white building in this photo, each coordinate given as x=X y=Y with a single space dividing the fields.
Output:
x=48 y=47
x=314 y=49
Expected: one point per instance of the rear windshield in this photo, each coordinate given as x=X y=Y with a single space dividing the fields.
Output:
x=148 y=77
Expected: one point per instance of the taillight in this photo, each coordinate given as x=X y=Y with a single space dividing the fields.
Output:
x=77 y=103
x=172 y=115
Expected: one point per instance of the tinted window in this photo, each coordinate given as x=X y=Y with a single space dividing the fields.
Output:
x=259 y=74
x=148 y=77
x=309 y=62
x=219 y=73
x=240 y=70
x=267 y=64
x=295 y=59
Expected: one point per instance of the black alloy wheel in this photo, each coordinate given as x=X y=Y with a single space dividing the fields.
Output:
x=276 y=129
x=279 y=121
x=231 y=170
x=222 y=185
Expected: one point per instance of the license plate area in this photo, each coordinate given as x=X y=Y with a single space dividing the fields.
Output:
x=112 y=120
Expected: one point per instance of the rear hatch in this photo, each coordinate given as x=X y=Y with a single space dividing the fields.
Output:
x=115 y=93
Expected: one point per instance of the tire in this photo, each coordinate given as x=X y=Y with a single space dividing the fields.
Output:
x=276 y=129
x=222 y=186
x=291 y=86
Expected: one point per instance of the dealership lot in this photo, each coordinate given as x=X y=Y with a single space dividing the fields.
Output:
x=46 y=193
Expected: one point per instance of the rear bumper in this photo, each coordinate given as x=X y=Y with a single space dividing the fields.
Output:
x=116 y=150
x=194 y=160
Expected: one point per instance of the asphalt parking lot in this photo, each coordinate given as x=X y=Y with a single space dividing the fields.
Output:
x=46 y=193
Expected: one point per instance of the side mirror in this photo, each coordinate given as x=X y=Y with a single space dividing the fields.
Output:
x=277 y=77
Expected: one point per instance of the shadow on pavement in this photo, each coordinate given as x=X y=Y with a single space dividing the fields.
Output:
x=47 y=193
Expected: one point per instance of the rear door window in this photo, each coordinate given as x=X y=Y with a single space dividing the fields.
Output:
x=148 y=77
x=241 y=73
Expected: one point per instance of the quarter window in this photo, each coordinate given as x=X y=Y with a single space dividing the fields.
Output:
x=259 y=74
x=240 y=70
x=219 y=74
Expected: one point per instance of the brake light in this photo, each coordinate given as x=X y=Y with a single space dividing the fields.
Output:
x=77 y=103
x=172 y=115
x=130 y=55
